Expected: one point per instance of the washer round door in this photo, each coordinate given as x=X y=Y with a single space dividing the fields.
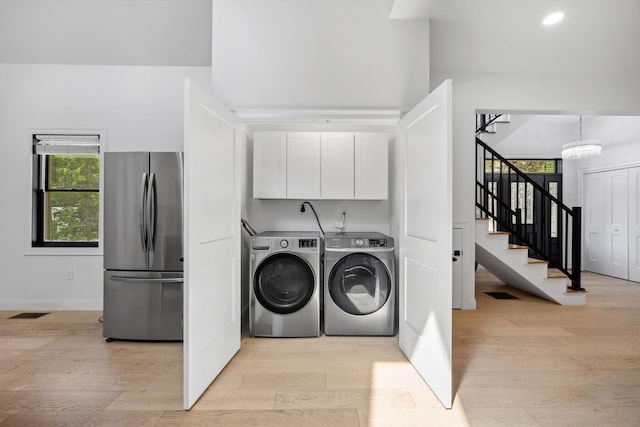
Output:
x=359 y=284
x=283 y=283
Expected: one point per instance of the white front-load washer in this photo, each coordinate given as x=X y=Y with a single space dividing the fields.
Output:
x=286 y=281
x=359 y=284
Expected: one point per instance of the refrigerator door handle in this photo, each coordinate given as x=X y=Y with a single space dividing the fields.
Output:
x=152 y=211
x=143 y=221
x=146 y=280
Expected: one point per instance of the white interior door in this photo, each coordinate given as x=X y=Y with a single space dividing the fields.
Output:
x=425 y=268
x=606 y=223
x=211 y=240
x=594 y=223
x=634 y=224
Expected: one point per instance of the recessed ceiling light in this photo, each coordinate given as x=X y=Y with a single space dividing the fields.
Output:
x=554 y=18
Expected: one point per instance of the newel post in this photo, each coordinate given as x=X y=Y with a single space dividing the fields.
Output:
x=576 y=249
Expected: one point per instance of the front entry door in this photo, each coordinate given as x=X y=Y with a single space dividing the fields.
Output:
x=539 y=218
x=425 y=267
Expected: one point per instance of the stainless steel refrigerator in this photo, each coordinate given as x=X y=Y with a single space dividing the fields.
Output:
x=143 y=251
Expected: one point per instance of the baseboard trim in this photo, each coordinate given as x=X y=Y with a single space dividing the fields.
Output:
x=51 y=305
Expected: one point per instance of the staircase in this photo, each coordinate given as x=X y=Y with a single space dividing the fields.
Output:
x=511 y=264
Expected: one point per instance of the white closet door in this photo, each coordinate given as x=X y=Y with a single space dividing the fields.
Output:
x=425 y=240
x=634 y=224
x=211 y=240
x=606 y=223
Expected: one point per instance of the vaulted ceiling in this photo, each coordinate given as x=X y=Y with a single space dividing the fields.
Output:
x=596 y=36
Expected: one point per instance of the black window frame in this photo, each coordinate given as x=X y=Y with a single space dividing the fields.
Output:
x=40 y=189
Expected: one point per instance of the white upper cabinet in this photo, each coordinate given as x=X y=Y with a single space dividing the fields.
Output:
x=320 y=165
x=270 y=165
x=303 y=165
x=336 y=168
x=371 y=166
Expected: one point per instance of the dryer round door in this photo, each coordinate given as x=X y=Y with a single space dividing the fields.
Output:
x=283 y=283
x=359 y=284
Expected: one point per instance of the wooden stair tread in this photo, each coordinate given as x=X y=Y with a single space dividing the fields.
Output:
x=536 y=261
x=556 y=275
x=518 y=247
x=499 y=232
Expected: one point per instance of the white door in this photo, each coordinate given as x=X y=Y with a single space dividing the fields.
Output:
x=606 y=223
x=425 y=266
x=634 y=224
x=211 y=240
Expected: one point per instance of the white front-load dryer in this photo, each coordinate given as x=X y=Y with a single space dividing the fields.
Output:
x=359 y=284
x=286 y=277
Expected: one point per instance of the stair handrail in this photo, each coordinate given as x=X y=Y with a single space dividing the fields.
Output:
x=571 y=214
x=486 y=193
x=484 y=123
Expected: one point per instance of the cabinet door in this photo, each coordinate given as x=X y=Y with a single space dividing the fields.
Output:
x=303 y=165
x=269 y=165
x=371 y=166
x=336 y=168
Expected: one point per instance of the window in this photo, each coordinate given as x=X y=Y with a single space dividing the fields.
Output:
x=525 y=166
x=66 y=190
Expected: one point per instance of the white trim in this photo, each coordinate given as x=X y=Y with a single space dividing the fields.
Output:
x=382 y=117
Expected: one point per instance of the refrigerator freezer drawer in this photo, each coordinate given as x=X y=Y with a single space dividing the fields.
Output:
x=143 y=305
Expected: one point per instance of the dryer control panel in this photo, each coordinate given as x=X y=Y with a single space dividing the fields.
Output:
x=357 y=240
x=286 y=241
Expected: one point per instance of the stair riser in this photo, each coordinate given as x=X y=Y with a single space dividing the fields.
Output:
x=512 y=266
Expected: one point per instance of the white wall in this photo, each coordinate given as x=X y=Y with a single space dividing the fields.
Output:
x=141 y=108
x=533 y=136
x=620 y=138
x=318 y=54
x=106 y=32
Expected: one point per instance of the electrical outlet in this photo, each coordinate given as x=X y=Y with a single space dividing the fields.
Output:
x=341 y=219
x=69 y=274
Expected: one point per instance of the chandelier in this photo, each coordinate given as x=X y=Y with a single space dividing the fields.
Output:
x=581 y=149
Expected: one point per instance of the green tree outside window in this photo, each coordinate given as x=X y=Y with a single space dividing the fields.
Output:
x=72 y=201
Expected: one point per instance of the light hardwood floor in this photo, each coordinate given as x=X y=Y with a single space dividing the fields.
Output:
x=517 y=362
